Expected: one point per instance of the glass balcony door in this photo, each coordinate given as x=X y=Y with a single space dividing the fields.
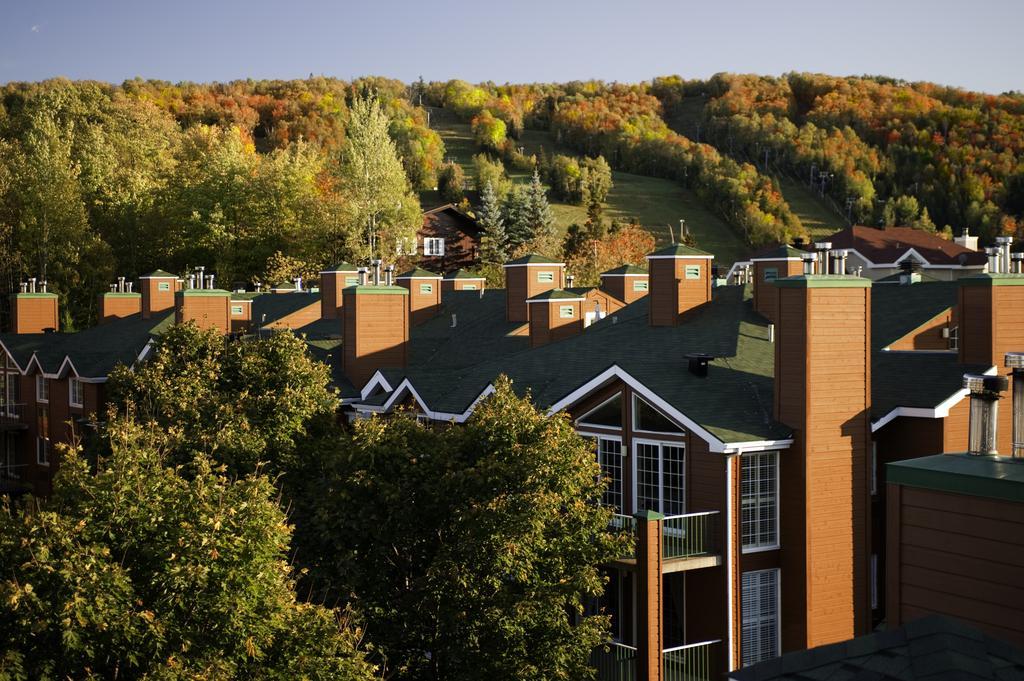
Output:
x=659 y=479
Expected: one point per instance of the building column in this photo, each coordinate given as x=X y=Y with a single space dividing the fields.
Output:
x=650 y=619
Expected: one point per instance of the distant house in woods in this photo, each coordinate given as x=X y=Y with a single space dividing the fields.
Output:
x=449 y=239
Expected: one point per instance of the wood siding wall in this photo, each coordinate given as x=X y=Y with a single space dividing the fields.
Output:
x=33 y=314
x=118 y=306
x=422 y=306
x=521 y=283
x=765 y=297
x=155 y=301
x=208 y=312
x=956 y=555
x=376 y=334
x=672 y=294
x=928 y=336
x=622 y=287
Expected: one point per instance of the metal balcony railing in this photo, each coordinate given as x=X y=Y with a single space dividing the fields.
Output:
x=614 y=662
x=693 y=662
x=624 y=524
x=689 y=535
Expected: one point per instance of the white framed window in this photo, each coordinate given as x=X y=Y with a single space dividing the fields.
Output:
x=433 y=246
x=566 y=311
x=10 y=395
x=43 y=439
x=760 y=605
x=954 y=338
x=609 y=456
x=692 y=272
x=649 y=420
x=426 y=288
x=236 y=310
x=545 y=277
x=659 y=477
x=608 y=414
x=640 y=284
x=759 y=501
x=42 y=389
x=163 y=286
x=469 y=287
x=352 y=281
x=76 y=392
x=771 y=273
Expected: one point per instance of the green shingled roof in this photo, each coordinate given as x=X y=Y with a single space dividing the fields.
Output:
x=532 y=259
x=626 y=269
x=679 y=250
x=996 y=477
x=418 y=273
x=559 y=294
x=462 y=274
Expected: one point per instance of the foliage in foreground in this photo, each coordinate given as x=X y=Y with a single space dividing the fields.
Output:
x=144 y=570
x=472 y=549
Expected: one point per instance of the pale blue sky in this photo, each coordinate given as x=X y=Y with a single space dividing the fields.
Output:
x=971 y=43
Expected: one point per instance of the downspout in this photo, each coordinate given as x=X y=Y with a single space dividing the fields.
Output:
x=729 y=559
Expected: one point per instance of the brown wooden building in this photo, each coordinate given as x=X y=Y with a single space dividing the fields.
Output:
x=449 y=239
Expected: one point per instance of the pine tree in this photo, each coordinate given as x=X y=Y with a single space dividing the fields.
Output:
x=538 y=212
x=517 y=224
x=489 y=217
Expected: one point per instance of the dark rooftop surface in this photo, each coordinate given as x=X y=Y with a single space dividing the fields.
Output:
x=997 y=477
x=933 y=648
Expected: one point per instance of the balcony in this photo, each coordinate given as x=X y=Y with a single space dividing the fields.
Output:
x=11 y=417
x=693 y=662
x=688 y=541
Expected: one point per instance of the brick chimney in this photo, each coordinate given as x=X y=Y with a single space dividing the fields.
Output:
x=200 y=302
x=823 y=392
x=424 y=294
x=375 y=330
x=462 y=280
x=627 y=283
x=332 y=281
x=527 y=277
x=157 y=289
x=555 y=315
x=34 y=310
x=784 y=261
x=680 y=280
x=120 y=301
x=992 y=324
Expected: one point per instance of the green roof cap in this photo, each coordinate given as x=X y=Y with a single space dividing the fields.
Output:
x=341 y=267
x=159 y=274
x=532 y=259
x=418 y=273
x=283 y=286
x=377 y=290
x=120 y=294
x=557 y=294
x=36 y=295
x=678 y=250
x=997 y=477
x=626 y=269
x=824 y=281
x=991 y=279
x=204 y=292
x=462 y=274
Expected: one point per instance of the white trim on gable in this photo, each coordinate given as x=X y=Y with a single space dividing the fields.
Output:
x=939 y=411
x=925 y=264
x=376 y=381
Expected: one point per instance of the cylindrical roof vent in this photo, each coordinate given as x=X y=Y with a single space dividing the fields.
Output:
x=1015 y=361
x=983 y=425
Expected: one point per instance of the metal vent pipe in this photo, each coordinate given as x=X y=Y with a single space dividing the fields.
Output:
x=1015 y=361
x=809 y=261
x=376 y=272
x=389 y=275
x=1004 y=252
x=362 y=276
x=983 y=426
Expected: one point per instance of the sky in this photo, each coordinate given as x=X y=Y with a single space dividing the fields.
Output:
x=972 y=44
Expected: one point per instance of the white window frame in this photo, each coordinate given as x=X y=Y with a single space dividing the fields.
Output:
x=426 y=289
x=545 y=277
x=433 y=245
x=72 y=383
x=163 y=286
x=567 y=312
x=598 y=439
x=42 y=387
x=692 y=272
x=660 y=444
x=634 y=412
x=774 y=271
x=581 y=421
x=757 y=547
x=10 y=397
x=469 y=287
x=42 y=450
x=641 y=285
x=777 y=615
x=352 y=280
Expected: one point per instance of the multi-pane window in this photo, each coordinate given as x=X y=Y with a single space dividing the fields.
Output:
x=760 y=603
x=76 y=392
x=42 y=389
x=660 y=477
x=433 y=246
x=609 y=456
x=759 y=502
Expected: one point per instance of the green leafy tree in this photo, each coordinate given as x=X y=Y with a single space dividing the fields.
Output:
x=494 y=240
x=596 y=180
x=474 y=548
x=487 y=171
x=147 y=569
x=380 y=203
x=450 y=182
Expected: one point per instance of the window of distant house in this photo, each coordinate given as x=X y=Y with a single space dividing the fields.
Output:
x=433 y=246
x=760 y=605
x=43 y=439
x=42 y=389
x=426 y=288
x=352 y=281
x=163 y=286
x=771 y=273
x=566 y=311
x=76 y=392
x=640 y=284
x=236 y=309
x=692 y=272
x=759 y=501
x=545 y=277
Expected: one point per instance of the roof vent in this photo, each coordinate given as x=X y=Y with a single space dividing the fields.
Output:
x=1015 y=361
x=809 y=260
x=697 y=362
x=984 y=416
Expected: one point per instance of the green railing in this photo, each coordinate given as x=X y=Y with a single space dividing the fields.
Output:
x=614 y=662
x=694 y=662
x=690 y=535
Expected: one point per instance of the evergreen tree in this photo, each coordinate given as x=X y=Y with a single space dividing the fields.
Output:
x=595 y=220
x=518 y=229
x=538 y=212
x=495 y=240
